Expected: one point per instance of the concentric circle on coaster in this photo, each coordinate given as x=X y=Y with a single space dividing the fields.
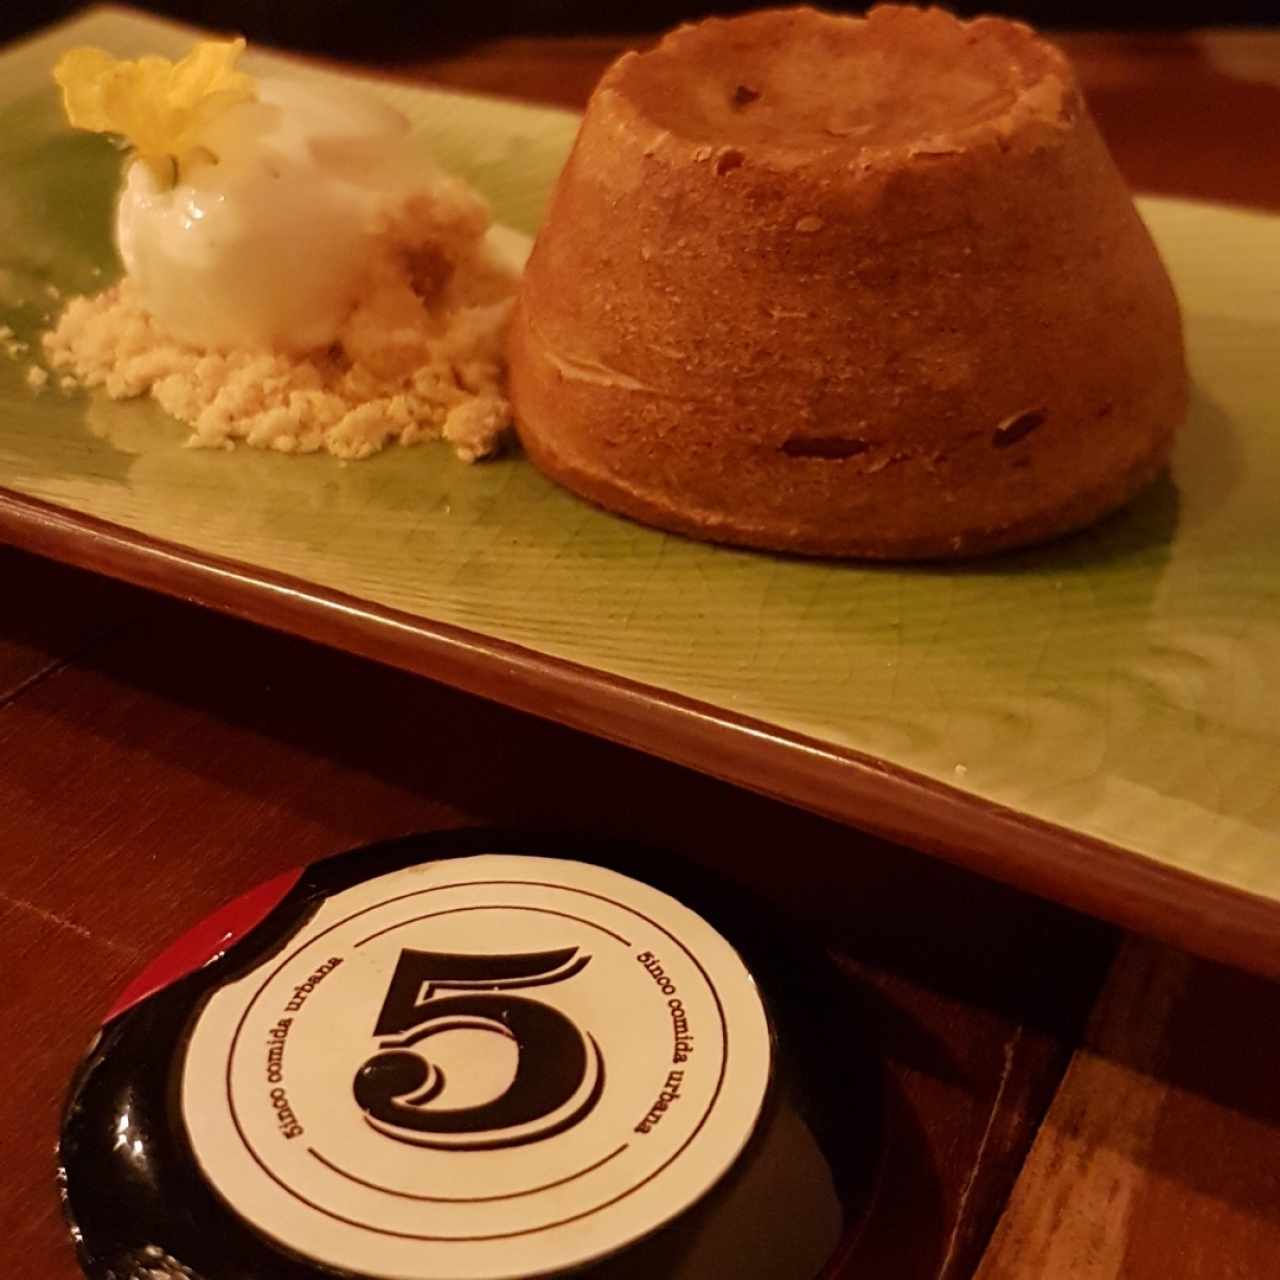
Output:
x=486 y=1067
x=477 y=1056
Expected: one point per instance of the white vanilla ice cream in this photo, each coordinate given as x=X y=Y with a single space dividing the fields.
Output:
x=263 y=242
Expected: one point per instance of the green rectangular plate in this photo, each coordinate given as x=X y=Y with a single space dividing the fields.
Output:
x=1098 y=720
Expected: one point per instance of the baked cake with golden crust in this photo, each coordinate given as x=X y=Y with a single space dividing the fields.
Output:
x=847 y=286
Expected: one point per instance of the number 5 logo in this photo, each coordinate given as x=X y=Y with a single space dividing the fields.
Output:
x=559 y=1073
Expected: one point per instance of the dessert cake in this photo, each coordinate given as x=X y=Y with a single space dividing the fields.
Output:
x=847 y=286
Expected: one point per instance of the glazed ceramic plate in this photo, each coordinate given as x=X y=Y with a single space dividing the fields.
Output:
x=1098 y=720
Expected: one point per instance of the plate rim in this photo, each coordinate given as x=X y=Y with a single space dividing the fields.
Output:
x=858 y=789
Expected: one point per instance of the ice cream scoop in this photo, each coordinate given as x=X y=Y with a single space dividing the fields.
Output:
x=264 y=237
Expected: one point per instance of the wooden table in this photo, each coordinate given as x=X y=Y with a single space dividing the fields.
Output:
x=1064 y=1102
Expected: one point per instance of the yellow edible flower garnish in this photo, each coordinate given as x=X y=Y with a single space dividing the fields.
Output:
x=160 y=108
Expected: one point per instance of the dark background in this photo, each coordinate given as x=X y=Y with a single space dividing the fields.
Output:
x=391 y=27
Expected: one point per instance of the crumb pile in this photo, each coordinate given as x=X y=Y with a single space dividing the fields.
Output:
x=419 y=358
x=13 y=346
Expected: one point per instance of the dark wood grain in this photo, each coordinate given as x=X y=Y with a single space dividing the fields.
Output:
x=53 y=972
x=189 y=756
x=39 y=603
x=1161 y=1154
x=1188 y=115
